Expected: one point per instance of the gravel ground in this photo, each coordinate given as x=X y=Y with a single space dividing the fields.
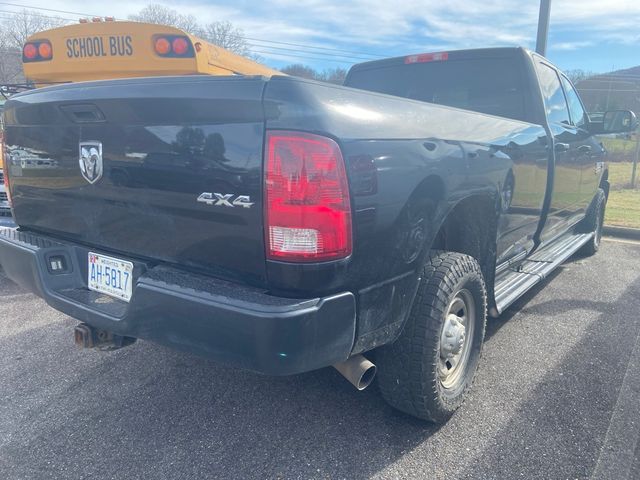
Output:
x=556 y=396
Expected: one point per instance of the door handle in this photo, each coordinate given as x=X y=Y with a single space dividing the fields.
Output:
x=561 y=147
x=584 y=149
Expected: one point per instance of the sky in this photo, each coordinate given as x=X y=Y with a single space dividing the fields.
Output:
x=592 y=35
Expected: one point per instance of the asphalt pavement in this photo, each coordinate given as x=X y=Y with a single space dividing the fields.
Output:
x=557 y=396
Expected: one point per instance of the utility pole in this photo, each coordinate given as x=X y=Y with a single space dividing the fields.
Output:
x=543 y=27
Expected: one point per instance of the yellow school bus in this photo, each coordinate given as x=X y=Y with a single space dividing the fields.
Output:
x=104 y=49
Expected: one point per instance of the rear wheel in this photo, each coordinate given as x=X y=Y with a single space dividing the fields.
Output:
x=593 y=222
x=428 y=370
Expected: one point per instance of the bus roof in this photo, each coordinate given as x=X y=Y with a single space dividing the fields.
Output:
x=115 y=49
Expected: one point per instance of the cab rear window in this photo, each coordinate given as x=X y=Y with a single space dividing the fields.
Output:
x=488 y=85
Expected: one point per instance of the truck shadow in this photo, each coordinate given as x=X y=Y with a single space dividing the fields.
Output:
x=8 y=288
x=495 y=324
x=562 y=425
x=149 y=412
x=158 y=412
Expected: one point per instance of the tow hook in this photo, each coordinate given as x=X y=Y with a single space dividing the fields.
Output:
x=86 y=336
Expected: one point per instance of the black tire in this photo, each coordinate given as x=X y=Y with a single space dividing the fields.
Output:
x=593 y=222
x=408 y=369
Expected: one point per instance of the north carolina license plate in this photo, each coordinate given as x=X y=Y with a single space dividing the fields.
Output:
x=111 y=276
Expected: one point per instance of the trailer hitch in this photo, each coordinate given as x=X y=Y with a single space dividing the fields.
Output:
x=86 y=336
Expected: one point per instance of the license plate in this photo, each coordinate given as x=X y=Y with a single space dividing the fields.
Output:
x=111 y=276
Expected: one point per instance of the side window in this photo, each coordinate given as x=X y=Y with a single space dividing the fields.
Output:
x=576 y=110
x=554 y=100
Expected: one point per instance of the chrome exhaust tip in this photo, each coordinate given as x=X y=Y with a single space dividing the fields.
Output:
x=358 y=370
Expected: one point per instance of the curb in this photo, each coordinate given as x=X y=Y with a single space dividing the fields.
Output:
x=622 y=232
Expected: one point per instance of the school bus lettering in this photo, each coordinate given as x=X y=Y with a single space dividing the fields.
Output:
x=118 y=46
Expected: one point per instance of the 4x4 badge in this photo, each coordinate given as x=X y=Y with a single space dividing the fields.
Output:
x=225 y=199
x=91 y=161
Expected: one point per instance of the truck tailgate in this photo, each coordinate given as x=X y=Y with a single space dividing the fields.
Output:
x=167 y=169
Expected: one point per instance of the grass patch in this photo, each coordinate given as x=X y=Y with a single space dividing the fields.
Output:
x=618 y=145
x=620 y=174
x=623 y=208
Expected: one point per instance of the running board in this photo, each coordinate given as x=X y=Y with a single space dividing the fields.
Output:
x=514 y=282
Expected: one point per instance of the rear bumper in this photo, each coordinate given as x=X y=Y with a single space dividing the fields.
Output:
x=234 y=324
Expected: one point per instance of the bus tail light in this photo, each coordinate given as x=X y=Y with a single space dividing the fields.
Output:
x=162 y=46
x=176 y=46
x=44 y=50
x=37 y=51
x=30 y=51
x=307 y=206
x=179 y=46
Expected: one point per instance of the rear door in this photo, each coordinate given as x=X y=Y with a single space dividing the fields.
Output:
x=568 y=140
x=587 y=151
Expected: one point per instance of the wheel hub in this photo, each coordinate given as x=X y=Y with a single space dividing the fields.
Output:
x=455 y=339
x=453 y=336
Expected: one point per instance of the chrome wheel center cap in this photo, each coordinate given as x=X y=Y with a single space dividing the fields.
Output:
x=453 y=336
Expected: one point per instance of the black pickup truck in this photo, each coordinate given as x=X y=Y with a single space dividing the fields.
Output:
x=284 y=225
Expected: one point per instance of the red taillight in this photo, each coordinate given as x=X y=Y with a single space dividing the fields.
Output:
x=307 y=207
x=162 y=46
x=180 y=46
x=427 y=57
x=30 y=51
x=44 y=49
x=173 y=46
x=37 y=51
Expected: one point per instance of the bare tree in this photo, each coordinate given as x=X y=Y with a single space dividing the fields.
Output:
x=14 y=32
x=161 y=15
x=225 y=35
x=330 y=75
x=577 y=75
x=333 y=75
x=300 y=70
x=10 y=61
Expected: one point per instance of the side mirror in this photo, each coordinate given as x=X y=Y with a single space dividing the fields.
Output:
x=619 y=121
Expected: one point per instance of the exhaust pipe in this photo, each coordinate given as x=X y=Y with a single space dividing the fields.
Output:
x=358 y=370
x=86 y=336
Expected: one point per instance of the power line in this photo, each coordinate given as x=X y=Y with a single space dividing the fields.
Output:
x=287 y=55
x=14 y=13
x=314 y=53
x=312 y=46
x=309 y=47
x=339 y=58
x=47 y=9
